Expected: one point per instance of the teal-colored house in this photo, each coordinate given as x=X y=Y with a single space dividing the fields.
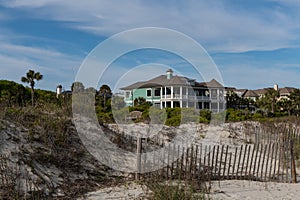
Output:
x=177 y=91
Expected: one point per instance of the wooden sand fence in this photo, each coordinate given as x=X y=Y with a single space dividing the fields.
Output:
x=267 y=162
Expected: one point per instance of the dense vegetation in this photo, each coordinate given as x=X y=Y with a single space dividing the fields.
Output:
x=268 y=106
x=109 y=107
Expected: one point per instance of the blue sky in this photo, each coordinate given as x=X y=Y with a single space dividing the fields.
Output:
x=253 y=43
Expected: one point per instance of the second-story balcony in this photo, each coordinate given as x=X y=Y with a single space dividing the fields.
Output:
x=185 y=97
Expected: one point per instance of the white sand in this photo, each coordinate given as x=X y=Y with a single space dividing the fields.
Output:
x=128 y=191
x=235 y=189
x=229 y=189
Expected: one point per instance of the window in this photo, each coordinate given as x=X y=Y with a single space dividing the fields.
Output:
x=127 y=94
x=191 y=104
x=157 y=92
x=176 y=90
x=214 y=106
x=184 y=90
x=221 y=106
x=168 y=91
x=191 y=91
x=213 y=93
x=149 y=93
x=206 y=105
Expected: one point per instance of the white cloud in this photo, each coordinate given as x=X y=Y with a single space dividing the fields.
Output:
x=216 y=25
x=57 y=68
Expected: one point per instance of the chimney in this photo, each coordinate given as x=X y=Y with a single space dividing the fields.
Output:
x=276 y=87
x=169 y=74
x=58 y=90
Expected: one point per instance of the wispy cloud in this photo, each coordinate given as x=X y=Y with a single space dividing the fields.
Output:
x=17 y=59
x=220 y=26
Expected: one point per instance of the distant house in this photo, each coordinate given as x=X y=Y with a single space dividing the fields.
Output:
x=250 y=94
x=261 y=92
x=284 y=93
x=170 y=91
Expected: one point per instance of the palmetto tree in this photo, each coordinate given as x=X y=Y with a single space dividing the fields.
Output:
x=30 y=78
x=105 y=93
x=269 y=100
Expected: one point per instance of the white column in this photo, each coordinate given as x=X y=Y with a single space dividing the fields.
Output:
x=187 y=92
x=181 y=92
x=172 y=105
x=165 y=92
x=172 y=90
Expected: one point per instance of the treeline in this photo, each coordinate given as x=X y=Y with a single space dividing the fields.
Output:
x=269 y=105
x=111 y=108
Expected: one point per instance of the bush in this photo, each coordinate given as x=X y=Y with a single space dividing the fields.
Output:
x=205 y=115
x=173 y=121
x=173 y=112
x=257 y=116
x=176 y=190
x=233 y=115
x=203 y=120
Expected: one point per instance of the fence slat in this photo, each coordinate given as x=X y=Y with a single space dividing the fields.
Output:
x=225 y=161
x=220 y=162
x=234 y=162
x=239 y=161
x=244 y=157
x=247 y=162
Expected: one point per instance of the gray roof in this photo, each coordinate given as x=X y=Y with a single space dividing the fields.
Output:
x=286 y=90
x=162 y=80
x=262 y=91
x=214 y=84
x=250 y=93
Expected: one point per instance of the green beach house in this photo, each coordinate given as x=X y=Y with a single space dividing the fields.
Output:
x=170 y=91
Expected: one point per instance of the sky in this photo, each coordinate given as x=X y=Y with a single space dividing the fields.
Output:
x=254 y=43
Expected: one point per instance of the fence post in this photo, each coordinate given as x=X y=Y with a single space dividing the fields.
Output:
x=293 y=166
x=139 y=155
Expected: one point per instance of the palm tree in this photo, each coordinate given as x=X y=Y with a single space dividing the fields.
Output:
x=30 y=78
x=105 y=93
x=269 y=100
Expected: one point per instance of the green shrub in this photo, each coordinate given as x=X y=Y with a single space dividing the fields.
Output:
x=173 y=121
x=173 y=112
x=257 y=116
x=205 y=115
x=233 y=115
x=175 y=190
x=203 y=120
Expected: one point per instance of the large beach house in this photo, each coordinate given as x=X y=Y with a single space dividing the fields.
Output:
x=170 y=91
